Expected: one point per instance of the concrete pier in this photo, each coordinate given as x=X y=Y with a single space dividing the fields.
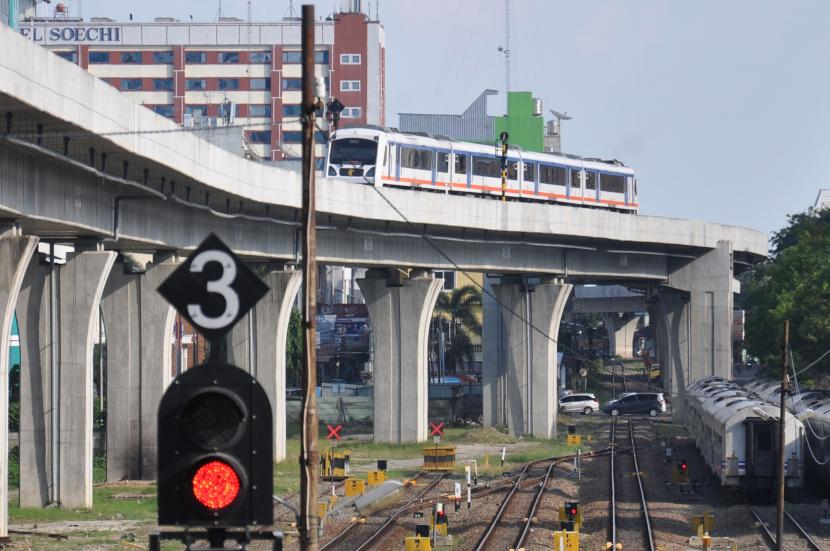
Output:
x=520 y=371
x=16 y=252
x=621 y=334
x=271 y=317
x=400 y=313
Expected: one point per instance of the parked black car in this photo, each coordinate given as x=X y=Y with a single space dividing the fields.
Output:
x=637 y=402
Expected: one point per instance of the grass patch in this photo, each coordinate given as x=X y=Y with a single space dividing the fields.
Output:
x=105 y=507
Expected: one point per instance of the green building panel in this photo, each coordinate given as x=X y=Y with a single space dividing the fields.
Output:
x=524 y=129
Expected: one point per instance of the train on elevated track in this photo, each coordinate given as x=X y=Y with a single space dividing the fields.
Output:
x=385 y=157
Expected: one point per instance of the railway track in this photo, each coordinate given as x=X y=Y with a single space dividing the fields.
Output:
x=795 y=538
x=624 y=500
x=360 y=535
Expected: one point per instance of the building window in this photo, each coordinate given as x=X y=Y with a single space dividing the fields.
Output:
x=295 y=136
x=350 y=59
x=260 y=84
x=292 y=57
x=321 y=57
x=292 y=84
x=164 y=110
x=195 y=110
x=130 y=57
x=291 y=110
x=163 y=84
x=229 y=84
x=68 y=56
x=449 y=279
x=130 y=84
x=260 y=57
x=195 y=57
x=351 y=113
x=163 y=58
x=260 y=137
x=99 y=57
x=195 y=84
x=228 y=57
x=259 y=111
x=349 y=85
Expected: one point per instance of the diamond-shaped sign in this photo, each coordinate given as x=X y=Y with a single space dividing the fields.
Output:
x=213 y=289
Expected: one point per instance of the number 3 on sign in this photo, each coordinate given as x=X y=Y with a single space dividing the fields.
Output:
x=219 y=286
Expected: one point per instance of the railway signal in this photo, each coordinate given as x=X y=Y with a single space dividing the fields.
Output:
x=215 y=455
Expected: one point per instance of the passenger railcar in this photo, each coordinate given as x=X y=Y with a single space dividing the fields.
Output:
x=737 y=434
x=812 y=407
x=384 y=157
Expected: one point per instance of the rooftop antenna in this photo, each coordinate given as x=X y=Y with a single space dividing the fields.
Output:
x=291 y=14
x=506 y=51
x=219 y=13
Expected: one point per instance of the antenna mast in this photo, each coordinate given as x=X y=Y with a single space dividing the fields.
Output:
x=219 y=13
x=506 y=56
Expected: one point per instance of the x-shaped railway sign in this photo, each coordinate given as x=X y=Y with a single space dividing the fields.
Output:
x=334 y=432
x=436 y=429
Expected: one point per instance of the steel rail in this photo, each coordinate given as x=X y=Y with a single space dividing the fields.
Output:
x=612 y=503
x=532 y=512
x=376 y=534
x=761 y=523
x=643 y=500
x=813 y=543
x=394 y=515
x=485 y=537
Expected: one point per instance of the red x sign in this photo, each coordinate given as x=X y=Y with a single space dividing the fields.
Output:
x=334 y=432
x=436 y=429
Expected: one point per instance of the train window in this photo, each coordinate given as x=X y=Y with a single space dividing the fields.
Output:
x=420 y=159
x=575 y=181
x=357 y=151
x=460 y=164
x=764 y=438
x=553 y=175
x=529 y=173
x=612 y=183
x=590 y=180
x=443 y=162
x=512 y=170
x=487 y=166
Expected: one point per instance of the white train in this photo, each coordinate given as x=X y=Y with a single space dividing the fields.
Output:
x=812 y=407
x=386 y=157
x=736 y=431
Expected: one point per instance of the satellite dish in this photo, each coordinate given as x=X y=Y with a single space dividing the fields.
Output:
x=583 y=372
x=561 y=116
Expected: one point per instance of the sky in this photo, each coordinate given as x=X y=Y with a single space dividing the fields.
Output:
x=722 y=108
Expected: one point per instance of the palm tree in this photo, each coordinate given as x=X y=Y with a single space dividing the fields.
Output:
x=460 y=307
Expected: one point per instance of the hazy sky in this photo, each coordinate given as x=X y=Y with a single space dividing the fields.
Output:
x=718 y=105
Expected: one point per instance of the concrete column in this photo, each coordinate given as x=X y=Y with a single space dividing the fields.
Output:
x=693 y=313
x=139 y=326
x=493 y=361
x=400 y=314
x=620 y=334
x=271 y=316
x=122 y=310
x=82 y=283
x=524 y=391
x=36 y=467
x=15 y=254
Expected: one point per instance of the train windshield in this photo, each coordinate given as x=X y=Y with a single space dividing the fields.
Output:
x=353 y=151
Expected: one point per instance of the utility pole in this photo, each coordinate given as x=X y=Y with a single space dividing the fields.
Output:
x=503 y=137
x=309 y=456
x=785 y=354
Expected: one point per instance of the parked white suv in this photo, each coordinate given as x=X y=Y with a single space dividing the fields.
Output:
x=578 y=403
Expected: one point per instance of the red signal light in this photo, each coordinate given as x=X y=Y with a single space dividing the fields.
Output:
x=216 y=485
x=683 y=467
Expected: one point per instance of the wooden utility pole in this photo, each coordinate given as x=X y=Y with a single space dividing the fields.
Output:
x=782 y=452
x=309 y=456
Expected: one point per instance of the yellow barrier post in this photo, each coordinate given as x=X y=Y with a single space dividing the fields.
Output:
x=565 y=541
x=376 y=478
x=417 y=543
x=355 y=487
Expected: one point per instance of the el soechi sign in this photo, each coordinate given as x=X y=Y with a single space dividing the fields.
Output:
x=72 y=34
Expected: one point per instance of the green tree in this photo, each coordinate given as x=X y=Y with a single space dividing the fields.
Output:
x=460 y=307
x=793 y=284
x=294 y=349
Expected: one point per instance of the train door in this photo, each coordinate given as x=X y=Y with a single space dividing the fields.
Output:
x=761 y=447
x=575 y=185
x=530 y=180
x=443 y=177
x=461 y=171
x=591 y=186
